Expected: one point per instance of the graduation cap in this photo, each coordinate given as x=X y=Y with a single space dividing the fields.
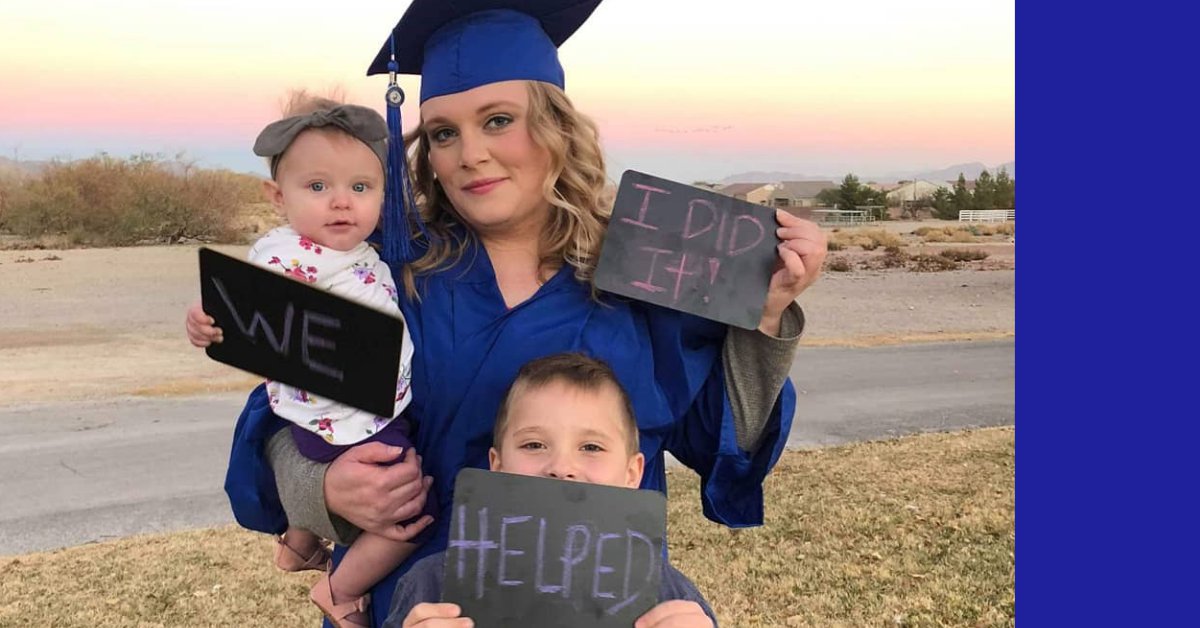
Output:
x=457 y=45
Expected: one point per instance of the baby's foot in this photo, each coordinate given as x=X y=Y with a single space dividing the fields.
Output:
x=315 y=557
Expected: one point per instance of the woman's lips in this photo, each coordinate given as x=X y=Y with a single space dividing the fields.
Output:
x=482 y=186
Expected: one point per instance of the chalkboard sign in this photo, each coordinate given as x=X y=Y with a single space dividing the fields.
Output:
x=540 y=553
x=299 y=335
x=689 y=249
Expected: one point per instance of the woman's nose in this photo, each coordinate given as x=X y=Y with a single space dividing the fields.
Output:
x=474 y=150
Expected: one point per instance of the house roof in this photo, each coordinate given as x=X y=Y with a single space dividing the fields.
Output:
x=970 y=184
x=805 y=189
x=736 y=189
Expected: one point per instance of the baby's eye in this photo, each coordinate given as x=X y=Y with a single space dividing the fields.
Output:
x=316 y=186
x=360 y=187
x=498 y=122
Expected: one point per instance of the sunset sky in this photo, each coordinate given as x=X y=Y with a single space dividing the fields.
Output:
x=682 y=89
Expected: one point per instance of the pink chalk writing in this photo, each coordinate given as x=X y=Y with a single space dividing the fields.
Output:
x=641 y=219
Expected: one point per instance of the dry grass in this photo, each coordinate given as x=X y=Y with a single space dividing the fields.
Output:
x=866 y=239
x=911 y=532
x=838 y=265
x=879 y=340
x=964 y=255
x=931 y=264
x=966 y=232
x=105 y=201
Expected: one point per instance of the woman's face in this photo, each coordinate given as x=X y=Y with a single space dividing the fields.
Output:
x=485 y=158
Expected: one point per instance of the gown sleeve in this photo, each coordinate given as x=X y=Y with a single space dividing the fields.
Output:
x=691 y=374
x=756 y=367
x=249 y=480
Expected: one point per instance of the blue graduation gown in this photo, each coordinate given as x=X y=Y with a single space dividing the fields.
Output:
x=468 y=348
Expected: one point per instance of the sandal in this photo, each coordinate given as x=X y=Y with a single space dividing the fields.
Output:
x=288 y=559
x=353 y=614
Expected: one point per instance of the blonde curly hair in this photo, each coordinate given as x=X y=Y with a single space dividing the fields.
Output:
x=576 y=188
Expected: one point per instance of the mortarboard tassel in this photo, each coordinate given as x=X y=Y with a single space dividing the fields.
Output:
x=400 y=211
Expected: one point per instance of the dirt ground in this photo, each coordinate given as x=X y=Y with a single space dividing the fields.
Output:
x=87 y=323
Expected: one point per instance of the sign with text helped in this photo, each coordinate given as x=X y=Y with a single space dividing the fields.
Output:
x=305 y=337
x=542 y=553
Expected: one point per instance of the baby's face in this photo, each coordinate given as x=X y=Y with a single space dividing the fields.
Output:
x=330 y=188
x=559 y=431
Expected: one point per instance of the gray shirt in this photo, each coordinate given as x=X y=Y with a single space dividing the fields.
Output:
x=423 y=583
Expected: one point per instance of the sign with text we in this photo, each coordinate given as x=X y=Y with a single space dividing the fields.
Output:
x=301 y=336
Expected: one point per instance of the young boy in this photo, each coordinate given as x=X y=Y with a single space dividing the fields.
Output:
x=565 y=417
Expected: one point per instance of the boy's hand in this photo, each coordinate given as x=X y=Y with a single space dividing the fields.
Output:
x=674 y=614
x=445 y=615
x=201 y=328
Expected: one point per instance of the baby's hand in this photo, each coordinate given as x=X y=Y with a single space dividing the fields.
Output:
x=427 y=615
x=201 y=328
x=674 y=614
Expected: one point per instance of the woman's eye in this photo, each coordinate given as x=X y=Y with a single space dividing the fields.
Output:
x=442 y=135
x=316 y=186
x=498 y=122
x=360 y=187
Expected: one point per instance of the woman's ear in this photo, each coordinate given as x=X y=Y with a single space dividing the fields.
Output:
x=273 y=194
x=637 y=465
x=493 y=459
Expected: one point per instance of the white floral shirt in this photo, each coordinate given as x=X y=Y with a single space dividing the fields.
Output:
x=358 y=275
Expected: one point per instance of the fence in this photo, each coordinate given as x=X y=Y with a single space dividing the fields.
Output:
x=987 y=215
x=841 y=216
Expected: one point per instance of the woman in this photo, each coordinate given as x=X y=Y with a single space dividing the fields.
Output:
x=510 y=182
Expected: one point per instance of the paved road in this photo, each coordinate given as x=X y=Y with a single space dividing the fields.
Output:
x=85 y=472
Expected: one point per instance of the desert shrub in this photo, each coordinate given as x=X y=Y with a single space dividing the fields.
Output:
x=867 y=240
x=932 y=263
x=881 y=237
x=113 y=202
x=964 y=255
x=936 y=235
x=839 y=265
x=893 y=258
x=960 y=235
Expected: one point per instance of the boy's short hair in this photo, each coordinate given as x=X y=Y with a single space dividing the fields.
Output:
x=576 y=370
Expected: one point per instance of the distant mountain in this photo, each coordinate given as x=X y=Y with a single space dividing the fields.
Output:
x=22 y=167
x=772 y=177
x=949 y=173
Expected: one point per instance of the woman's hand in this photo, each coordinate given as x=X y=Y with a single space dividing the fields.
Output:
x=801 y=254
x=673 y=614
x=362 y=488
x=201 y=328
x=443 y=615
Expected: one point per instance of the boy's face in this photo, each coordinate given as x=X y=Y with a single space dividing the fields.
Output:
x=563 y=432
x=330 y=188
